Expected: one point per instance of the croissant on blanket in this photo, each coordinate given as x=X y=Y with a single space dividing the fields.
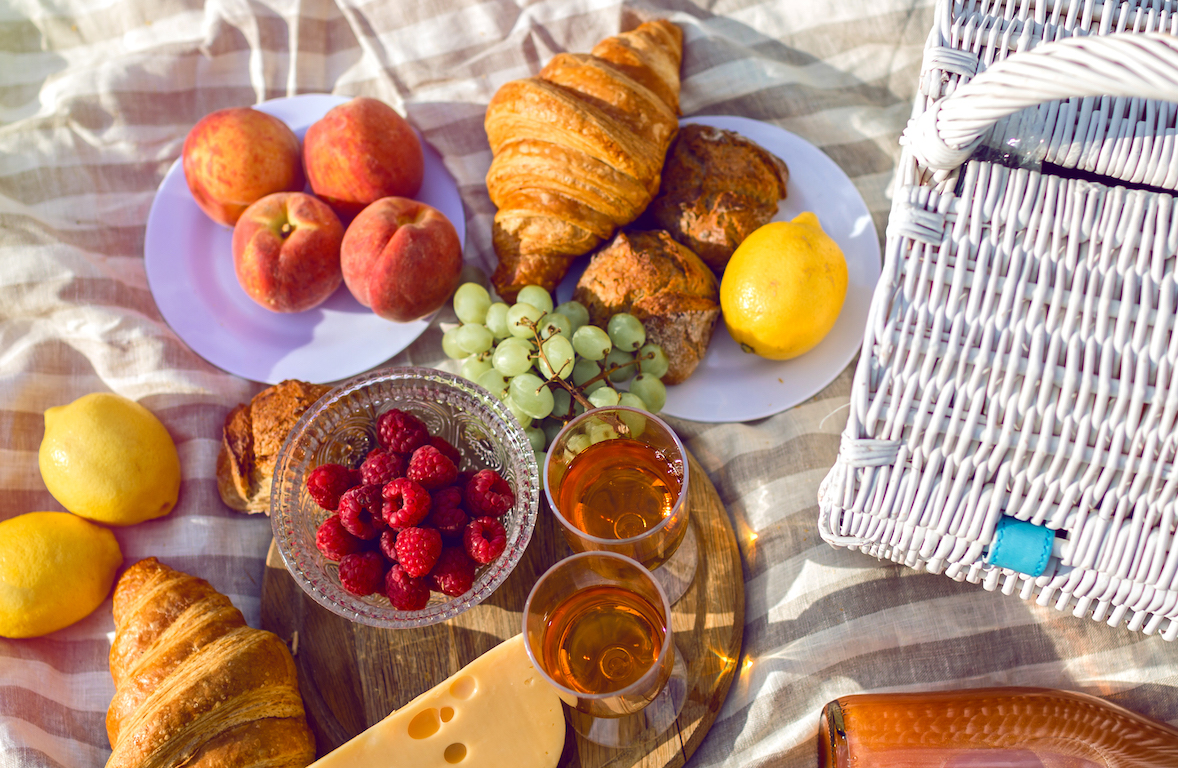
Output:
x=578 y=151
x=194 y=685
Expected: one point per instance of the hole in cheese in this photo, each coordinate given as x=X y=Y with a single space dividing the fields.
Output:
x=464 y=687
x=455 y=753
x=447 y=714
x=424 y=724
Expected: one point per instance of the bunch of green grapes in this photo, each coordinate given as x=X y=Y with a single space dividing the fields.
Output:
x=548 y=363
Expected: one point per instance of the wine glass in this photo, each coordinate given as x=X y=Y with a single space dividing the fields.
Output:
x=617 y=480
x=597 y=627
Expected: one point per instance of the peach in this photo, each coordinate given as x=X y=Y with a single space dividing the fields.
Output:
x=286 y=251
x=402 y=258
x=359 y=152
x=234 y=157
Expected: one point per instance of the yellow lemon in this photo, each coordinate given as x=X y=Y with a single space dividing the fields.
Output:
x=784 y=288
x=109 y=459
x=55 y=569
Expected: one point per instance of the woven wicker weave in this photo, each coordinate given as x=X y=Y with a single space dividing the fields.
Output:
x=1021 y=357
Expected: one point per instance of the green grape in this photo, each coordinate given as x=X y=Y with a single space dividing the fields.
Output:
x=631 y=400
x=576 y=312
x=522 y=416
x=450 y=344
x=474 y=338
x=471 y=301
x=657 y=364
x=619 y=357
x=604 y=397
x=591 y=342
x=496 y=320
x=551 y=426
x=562 y=402
x=512 y=357
x=536 y=296
x=531 y=394
x=584 y=370
x=536 y=438
x=541 y=458
x=555 y=323
x=558 y=353
x=652 y=391
x=518 y=316
x=601 y=432
x=475 y=366
x=635 y=422
x=626 y=331
x=578 y=443
x=494 y=382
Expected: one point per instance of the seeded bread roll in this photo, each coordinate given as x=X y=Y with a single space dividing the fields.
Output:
x=717 y=188
x=662 y=283
x=251 y=438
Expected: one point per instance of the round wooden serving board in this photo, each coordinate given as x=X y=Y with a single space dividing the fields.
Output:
x=352 y=676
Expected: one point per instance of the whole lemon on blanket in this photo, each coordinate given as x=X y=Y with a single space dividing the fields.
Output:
x=784 y=288
x=55 y=569
x=109 y=459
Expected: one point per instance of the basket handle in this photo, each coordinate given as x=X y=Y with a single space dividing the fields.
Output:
x=1129 y=64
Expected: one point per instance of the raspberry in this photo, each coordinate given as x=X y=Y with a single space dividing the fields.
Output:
x=450 y=496
x=418 y=550
x=334 y=541
x=388 y=539
x=405 y=592
x=450 y=521
x=431 y=468
x=406 y=503
x=360 y=511
x=484 y=539
x=362 y=573
x=463 y=478
x=488 y=495
x=453 y=574
x=327 y=482
x=380 y=467
x=448 y=450
x=401 y=432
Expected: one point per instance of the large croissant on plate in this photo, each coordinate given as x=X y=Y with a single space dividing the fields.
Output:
x=578 y=151
x=194 y=685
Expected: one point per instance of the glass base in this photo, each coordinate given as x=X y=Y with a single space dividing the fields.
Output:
x=643 y=726
x=676 y=574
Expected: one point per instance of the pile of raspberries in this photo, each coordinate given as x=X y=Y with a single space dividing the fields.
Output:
x=408 y=521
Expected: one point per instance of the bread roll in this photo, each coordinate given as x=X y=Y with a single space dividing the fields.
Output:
x=578 y=151
x=663 y=284
x=194 y=686
x=251 y=437
x=717 y=188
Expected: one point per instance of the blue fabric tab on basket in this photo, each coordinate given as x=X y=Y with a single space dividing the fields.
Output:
x=1021 y=546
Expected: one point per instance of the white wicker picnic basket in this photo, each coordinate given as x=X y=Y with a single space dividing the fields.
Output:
x=1013 y=413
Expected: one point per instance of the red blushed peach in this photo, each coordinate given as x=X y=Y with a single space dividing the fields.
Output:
x=402 y=258
x=286 y=251
x=235 y=157
x=359 y=152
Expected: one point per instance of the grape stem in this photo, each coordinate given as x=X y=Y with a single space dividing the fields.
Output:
x=577 y=393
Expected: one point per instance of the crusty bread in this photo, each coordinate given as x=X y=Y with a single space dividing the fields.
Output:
x=251 y=438
x=663 y=284
x=717 y=188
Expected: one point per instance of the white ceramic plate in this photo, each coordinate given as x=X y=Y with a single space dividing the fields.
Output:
x=730 y=385
x=190 y=272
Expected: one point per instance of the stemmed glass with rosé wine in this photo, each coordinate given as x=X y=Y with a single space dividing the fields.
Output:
x=617 y=480
x=597 y=627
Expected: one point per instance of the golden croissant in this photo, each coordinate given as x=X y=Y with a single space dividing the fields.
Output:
x=195 y=686
x=578 y=151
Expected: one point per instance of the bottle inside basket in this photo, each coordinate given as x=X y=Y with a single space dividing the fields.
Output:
x=990 y=728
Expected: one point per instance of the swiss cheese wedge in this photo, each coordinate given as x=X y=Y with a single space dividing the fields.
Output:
x=496 y=712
